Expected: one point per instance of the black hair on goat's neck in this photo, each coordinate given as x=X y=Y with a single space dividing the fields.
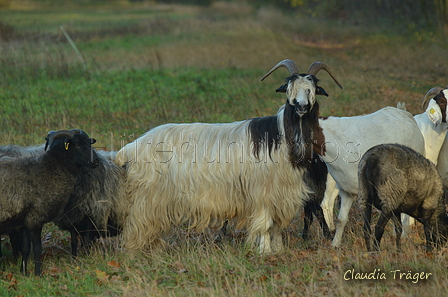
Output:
x=299 y=134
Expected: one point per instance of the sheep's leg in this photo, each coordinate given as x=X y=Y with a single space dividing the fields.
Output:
x=429 y=234
x=327 y=204
x=87 y=238
x=367 y=221
x=379 y=228
x=74 y=241
x=15 y=239
x=36 y=240
x=398 y=230
x=26 y=248
x=346 y=204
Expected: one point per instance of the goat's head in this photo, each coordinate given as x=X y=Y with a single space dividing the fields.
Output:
x=436 y=105
x=76 y=143
x=301 y=89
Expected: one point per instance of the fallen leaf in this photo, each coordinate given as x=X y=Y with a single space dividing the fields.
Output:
x=114 y=264
x=180 y=267
x=296 y=273
x=101 y=275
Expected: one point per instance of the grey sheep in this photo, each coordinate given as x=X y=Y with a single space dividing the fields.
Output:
x=396 y=179
x=34 y=190
x=97 y=205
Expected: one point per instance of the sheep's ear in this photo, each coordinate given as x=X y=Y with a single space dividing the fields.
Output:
x=48 y=138
x=434 y=112
x=321 y=91
x=282 y=89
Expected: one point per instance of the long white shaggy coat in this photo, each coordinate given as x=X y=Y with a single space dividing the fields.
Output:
x=205 y=174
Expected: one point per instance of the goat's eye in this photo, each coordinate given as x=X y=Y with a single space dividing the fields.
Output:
x=309 y=78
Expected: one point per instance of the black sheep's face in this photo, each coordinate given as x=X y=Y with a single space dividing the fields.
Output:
x=81 y=150
x=301 y=93
x=83 y=147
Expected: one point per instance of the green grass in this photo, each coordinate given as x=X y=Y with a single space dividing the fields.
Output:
x=151 y=64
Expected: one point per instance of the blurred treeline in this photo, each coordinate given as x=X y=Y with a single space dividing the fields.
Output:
x=414 y=13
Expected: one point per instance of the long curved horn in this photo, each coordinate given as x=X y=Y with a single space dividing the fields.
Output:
x=289 y=64
x=55 y=134
x=318 y=66
x=429 y=95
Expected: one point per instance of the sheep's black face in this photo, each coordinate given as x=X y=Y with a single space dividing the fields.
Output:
x=77 y=148
x=301 y=92
x=84 y=154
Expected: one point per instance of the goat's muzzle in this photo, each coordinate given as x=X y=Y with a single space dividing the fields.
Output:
x=302 y=109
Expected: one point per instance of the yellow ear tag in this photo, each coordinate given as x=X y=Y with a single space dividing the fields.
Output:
x=66 y=146
x=432 y=111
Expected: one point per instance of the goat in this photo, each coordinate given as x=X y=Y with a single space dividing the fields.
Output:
x=396 y=179
x=251 y=170
x=35 y=190
x=97 y=205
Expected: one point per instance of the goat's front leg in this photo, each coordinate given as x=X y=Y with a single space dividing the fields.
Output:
x=346 y=204
x=327 y=204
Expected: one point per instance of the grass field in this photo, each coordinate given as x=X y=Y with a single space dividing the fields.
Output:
x=145 y=64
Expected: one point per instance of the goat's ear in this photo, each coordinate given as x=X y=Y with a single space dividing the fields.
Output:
x=92 y=140
x=282 y=89
x=321 y=91
x=434 y=112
